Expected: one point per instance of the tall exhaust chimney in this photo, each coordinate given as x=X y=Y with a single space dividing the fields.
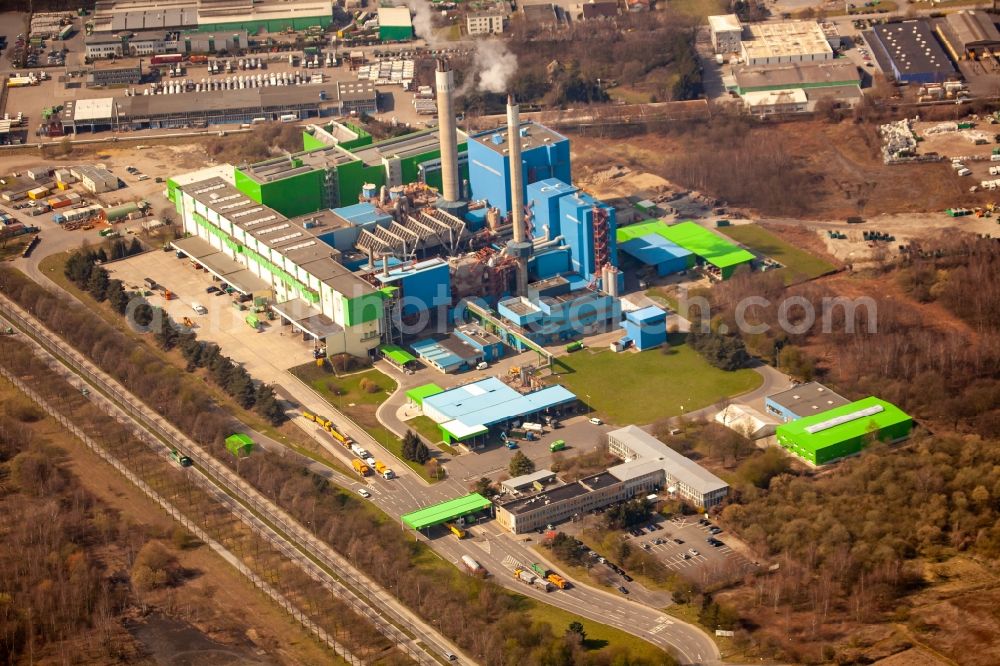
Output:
x=517 y=193
x=444 y=80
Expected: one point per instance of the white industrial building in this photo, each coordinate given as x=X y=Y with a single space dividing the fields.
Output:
x=490 y=22
x=262 y=253
x=777 y=42
x=747 y=421
x=776 y=102
x=726 y=33
x=649 y=465
x=95 y=180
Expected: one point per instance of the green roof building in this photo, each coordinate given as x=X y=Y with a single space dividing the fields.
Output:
x=844 y=431
x=395 y=24
x=709 y=247
x=437 y=514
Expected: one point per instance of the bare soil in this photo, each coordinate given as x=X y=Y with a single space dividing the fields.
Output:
x=838 y=164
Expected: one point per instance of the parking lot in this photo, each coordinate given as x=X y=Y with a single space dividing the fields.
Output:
x=266 y=353
x=694 y=556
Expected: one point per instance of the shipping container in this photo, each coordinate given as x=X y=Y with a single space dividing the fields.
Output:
x=37 y=193
x=166 y=59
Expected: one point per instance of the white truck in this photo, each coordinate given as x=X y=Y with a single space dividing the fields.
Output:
x=533 y=427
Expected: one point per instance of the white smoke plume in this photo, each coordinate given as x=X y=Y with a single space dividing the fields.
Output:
x=423 y=24
x=493 y=65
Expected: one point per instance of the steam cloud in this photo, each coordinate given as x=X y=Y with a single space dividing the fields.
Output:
x=494 y=65
x=423 y=25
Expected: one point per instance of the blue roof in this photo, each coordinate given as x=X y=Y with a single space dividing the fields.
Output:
x=490 y=401
x=549 y=188
x=647 y=315
x=434 y=352
x=361 y=213
x=653 y=249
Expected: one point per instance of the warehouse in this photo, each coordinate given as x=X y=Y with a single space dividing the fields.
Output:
x=803 y=400
x=910 y=52
x=844 y=431
x=776 y=102
x=746 y=420
x=95 y=180
x=229 y=107
x=970 y=34
x=255 y=248
x=211 y=15
x=395 y=24
x=468 y=412
x=726 y=33
x=776 y=42
x=796 y=75
x=720 y=256
x=303 y=182
x=655 y=250
x=536 y=480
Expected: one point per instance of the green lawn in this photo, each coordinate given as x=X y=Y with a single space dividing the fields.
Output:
x=643 y=387
x=346 y=395
x=430 y=431
x=699 y=8
x=799 y=264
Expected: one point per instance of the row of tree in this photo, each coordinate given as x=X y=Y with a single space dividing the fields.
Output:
x=84 y=269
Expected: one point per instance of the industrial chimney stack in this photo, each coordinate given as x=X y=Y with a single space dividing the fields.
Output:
x=522 y=246
x=444 y=80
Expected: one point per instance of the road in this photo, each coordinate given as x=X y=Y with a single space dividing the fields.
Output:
x=293 y=539
x=409 y=492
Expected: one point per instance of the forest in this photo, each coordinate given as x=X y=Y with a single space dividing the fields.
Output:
x=850 y=544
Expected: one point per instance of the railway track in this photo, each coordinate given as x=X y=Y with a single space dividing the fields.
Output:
x=314 y=557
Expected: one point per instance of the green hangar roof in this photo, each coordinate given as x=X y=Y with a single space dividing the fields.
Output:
x=852 y=422
x=711 y=247
x=437 y=514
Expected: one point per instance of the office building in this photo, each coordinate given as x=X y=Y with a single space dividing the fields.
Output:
x=489 y=22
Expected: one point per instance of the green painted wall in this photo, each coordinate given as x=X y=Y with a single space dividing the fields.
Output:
x=395 y=33
x=276 y=25
x=309 y=142
x=293 y=196
x=353 y=175
x=362 y=308
x=824 y=84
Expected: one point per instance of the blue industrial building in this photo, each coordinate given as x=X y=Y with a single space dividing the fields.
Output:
x=911 y=51
x=490 y=346
x=544 y=154
x=655 y=250
x=588 y=227
x=468 y=412
x=549 y=263
x=423 y=286
x=803 y=400
x=449 y=355
x=646 y=328
x=556 y=310
x=543 y=199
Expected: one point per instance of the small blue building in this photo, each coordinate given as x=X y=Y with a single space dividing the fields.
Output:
x=655 y=250
x=646 y=328
x=423 y=286
x=544 y=154
x=491 y=347
x=543 y=198
x=588 y=252
x=549 y=263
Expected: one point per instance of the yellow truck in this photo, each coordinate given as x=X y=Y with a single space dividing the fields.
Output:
x=557 y=580
x=383 y=470
x=360 y=467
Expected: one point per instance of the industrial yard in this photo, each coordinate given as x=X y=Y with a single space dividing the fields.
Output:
x=473 y=320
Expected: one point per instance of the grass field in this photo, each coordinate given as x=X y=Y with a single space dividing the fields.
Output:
x=598 y=635
x=799 y=264
x=699 y=8
x=346 y=395
x=643 y=387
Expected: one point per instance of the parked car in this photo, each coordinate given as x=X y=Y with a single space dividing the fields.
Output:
x=623 y=589
x=693 y=553
x=211 y=289
x=678 y=541
x=596 y=421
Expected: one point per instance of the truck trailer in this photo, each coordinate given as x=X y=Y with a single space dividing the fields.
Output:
x=360 y=467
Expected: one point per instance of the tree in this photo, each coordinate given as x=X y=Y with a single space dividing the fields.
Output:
x=267 y=405
x=520 y=464
x=484 y=487
x=117 y=296
x=135 y=247
x=98 y=283
x=577 y=628
x=414 y=448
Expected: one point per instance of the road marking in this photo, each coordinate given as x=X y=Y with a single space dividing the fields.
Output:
x=485 y=545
